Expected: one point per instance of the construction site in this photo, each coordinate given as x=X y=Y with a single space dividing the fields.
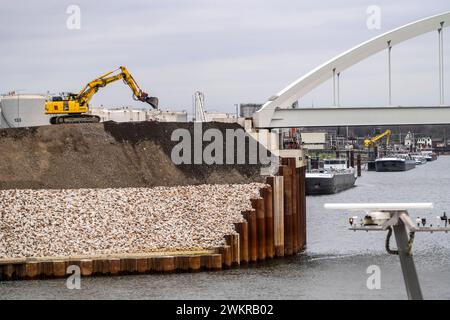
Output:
x=108 y=198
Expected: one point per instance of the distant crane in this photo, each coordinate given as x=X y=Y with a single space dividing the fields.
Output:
x=372 y=142
x=199 y=107
x=369 y=142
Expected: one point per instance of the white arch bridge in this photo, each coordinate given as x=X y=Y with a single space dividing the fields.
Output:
x=278 y=111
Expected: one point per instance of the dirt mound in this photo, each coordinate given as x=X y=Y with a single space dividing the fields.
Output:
x=107 y=155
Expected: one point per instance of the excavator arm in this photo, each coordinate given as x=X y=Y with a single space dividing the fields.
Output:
x=86 y=94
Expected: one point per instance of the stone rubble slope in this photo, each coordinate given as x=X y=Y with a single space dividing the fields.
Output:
x=68 y=222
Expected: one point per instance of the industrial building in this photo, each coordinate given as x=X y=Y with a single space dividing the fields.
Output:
x=129 y=114
x=27 y=110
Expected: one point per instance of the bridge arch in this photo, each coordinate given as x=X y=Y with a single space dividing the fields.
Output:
x=293 y=92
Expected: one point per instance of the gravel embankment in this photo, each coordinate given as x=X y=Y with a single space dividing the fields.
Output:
x=43 y=223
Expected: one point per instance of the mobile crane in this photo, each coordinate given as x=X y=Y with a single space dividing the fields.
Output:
x=372 y=141
x=73 y=108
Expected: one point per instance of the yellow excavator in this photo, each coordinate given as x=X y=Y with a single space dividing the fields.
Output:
x=369 y=142
x=73 y=108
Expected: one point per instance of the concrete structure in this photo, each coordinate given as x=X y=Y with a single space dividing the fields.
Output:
x=314 y=140
x=246 y=110
x=22 y=110
x=275 y=112
x=357 y=116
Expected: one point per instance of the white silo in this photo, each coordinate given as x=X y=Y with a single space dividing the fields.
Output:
x=23 y=110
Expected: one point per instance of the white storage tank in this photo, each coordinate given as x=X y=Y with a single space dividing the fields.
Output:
x=23 y=110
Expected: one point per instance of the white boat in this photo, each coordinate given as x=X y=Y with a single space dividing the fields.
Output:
x=429 y=155
x=419 y=159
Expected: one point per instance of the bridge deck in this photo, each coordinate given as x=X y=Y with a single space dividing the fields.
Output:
x=359 y=116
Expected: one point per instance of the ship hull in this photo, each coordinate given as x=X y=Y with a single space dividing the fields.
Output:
x=317 y=184
x=394 y=165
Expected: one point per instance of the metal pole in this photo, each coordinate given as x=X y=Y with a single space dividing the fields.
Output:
x=334 y=87
x=441 y=64
x=338 y=90
x=358 y=164
x=442 y=55
x=407 y=262
x=389 y=70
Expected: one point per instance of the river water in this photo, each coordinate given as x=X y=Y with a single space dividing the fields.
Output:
x=334 y=265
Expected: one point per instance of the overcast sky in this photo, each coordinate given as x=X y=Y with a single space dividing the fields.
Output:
x=233 y=51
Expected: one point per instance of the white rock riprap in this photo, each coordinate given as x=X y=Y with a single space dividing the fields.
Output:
x=45 y=223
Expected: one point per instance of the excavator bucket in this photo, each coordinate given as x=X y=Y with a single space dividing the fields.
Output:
x=153 y=101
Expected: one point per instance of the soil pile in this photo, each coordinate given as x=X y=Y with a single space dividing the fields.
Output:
x=109 y=155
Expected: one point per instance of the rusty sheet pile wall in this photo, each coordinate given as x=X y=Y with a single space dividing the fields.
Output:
x=275 y=227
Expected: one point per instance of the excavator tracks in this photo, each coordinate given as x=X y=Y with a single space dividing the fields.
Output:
x=78 y=118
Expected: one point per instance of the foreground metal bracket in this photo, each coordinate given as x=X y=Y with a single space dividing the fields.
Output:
x=404 y=230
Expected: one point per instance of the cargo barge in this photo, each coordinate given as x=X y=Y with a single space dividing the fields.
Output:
x=394 y=164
